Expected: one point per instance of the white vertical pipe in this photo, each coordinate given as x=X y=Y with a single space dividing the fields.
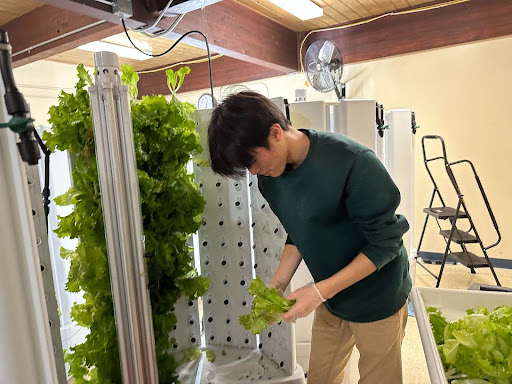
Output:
x=123 y=222
x=400 y=165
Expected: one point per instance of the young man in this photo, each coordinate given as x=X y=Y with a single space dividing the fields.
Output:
x=337 y=202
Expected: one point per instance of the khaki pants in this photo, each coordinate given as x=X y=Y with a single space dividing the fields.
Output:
x=379 y=344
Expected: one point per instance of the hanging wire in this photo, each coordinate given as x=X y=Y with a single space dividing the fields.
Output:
x=426 y=8
x=172 y=47
x=148 y=27
x=162 y=33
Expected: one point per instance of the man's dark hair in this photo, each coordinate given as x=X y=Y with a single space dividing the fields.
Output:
x=238 y=125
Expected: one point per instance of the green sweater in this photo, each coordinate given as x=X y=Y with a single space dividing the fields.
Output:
x=338 y=203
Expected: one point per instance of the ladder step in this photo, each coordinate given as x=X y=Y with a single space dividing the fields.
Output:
x=430 y=258
x=443 y=213
x=459 y=237
x=466 y=258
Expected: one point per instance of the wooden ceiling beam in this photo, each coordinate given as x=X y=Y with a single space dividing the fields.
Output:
x=225 y=71
x=395 y=35
x=47 y=31
x=144 y=11
x=240 y=33
x=232 y=29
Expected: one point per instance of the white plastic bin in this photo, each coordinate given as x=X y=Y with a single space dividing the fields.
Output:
x=453 y=304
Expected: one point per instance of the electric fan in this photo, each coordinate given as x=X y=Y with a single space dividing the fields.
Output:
x=233 y=89
x=324 y=67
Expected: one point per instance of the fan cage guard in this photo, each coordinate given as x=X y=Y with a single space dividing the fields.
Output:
x=315 y=76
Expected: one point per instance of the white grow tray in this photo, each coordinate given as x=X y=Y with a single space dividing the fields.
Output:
x=453 y=304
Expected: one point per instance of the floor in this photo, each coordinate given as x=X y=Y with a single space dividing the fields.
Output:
x=454 y=277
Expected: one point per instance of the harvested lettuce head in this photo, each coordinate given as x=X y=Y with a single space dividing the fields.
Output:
x=267 y=307
x=477 y=348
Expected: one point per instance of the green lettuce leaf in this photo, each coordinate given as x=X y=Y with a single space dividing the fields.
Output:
x=190 y=354
x=210 y=355
x=267 y=307
x=130 y=78
x=438 y=323
x=175 y=79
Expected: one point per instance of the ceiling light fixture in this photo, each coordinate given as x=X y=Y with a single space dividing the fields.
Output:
x=122 y=51
x=303 y=9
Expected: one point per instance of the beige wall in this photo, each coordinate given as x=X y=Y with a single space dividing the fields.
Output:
x=41 y=83
x=459 y=93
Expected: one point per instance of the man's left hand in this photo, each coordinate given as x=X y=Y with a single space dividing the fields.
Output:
x=307 y=300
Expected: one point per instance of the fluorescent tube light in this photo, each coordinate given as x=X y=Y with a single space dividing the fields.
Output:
x=303 y=9
x=121 y=39
x=127 y=52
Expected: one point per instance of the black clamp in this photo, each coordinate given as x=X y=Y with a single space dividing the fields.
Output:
x=414 y=127
x=287 y=110
x=379 y=119
x=19 y=124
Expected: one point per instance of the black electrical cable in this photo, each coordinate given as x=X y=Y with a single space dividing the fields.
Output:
x=46 y=189
x=172 y=46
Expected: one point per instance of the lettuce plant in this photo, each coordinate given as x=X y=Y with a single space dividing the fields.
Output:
x=165 y=140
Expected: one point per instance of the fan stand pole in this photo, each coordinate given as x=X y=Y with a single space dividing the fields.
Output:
x=341 y=95
x=338 y=93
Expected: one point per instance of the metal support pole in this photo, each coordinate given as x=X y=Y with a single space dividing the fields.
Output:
x=120 y=200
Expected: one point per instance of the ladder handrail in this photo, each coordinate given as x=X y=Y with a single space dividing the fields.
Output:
x=426 y=161
x=434 y=137
x=482 y=191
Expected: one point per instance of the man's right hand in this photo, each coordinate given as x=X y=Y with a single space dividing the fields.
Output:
x=279 y=290
x=290 y=260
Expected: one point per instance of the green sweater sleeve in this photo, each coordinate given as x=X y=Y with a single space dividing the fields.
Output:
x=371 y=198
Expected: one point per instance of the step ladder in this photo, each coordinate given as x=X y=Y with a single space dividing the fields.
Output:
x=452 y=215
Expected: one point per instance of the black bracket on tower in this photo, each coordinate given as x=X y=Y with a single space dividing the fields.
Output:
x=343 y=90
x=287 y=109
x=379 y=119
x=414 y=127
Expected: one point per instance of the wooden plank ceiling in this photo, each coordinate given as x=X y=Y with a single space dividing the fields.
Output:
x=464 y=22
x=11 y=9
x=335 y=11
x=257 y=39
